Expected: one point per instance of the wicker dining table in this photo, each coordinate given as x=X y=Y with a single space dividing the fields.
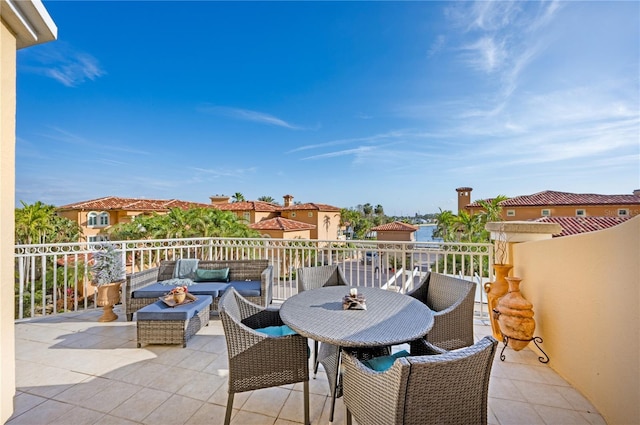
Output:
x=390 y=318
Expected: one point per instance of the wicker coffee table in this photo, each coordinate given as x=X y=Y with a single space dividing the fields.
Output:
x=159 y=323
x=390 y=319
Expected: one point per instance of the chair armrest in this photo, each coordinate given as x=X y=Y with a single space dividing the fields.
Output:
x=266 y=285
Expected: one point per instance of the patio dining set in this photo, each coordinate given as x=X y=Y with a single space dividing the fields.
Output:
x=443 y=378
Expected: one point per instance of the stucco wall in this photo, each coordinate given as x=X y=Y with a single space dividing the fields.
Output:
x=7 y=205
x=585 y=291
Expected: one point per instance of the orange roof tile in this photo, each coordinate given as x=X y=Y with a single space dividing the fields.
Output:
x=310 y=206
x=281 y=223
x=550 y=197
x=132 y=204
x=248 y=206
x=577 y=225
x=396 y=226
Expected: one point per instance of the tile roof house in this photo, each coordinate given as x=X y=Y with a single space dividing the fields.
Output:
x=324 y=219
x=96 y=215
x=395 y=231
x=599 y=211
x=307 y=221
x=576 y=225
x=283 y=228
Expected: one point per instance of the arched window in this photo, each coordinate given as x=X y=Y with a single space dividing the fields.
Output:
x=92 y=219
x=103 y=219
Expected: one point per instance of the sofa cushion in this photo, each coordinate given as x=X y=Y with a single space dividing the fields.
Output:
x=161 y=311
x=213 y=275
x=246 y=288
x=157 y=290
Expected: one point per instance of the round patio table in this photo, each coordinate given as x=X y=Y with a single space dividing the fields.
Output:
x=390 y=319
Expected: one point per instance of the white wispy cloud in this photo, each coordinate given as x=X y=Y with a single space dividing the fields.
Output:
x=249 y=115
x=225 y=172
x=65 y=136
x=390 y=135
x=64 y=64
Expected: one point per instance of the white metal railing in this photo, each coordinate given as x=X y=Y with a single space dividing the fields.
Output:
x=54 y=278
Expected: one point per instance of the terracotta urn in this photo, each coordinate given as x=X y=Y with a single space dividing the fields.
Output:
x=515 y=316
x=108 y=295
x=496 y=290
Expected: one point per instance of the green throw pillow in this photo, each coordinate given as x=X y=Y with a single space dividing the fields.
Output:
x=383 y=363
x=215 y=275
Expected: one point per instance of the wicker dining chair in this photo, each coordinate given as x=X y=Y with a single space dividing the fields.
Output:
x=256 y=359
x=318 y=277
x=451 y=299
x=444 y=389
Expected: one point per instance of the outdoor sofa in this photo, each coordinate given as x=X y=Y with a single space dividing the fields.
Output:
x=253 y=279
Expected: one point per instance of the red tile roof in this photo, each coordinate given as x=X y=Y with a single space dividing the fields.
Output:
x=281 y=223
x=132 y=204
x=549 y=197
x=248 y=206
x=396 y=226
x=309 y=206
x=576 y=225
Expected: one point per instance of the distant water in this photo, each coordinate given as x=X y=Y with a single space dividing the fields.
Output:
x=425 y=233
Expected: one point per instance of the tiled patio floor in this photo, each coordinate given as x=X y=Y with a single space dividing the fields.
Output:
x=71 y=369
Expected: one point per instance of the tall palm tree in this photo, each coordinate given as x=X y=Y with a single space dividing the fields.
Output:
x=367 y=209
x=238 y=197
x=378 y=210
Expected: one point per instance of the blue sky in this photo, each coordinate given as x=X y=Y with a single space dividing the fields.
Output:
x=342 y=103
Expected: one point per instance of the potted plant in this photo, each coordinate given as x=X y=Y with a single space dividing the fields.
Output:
x=107 y=274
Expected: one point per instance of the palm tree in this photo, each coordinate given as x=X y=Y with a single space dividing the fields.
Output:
x=445 y=225
x=367 y=209
x=33 y=223
x=238 y=197
x=378 y=210
x=268 y=199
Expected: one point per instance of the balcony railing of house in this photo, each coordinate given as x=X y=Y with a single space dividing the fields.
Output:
x=55 y=278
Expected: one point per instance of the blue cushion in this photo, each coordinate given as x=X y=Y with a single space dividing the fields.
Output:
x=161 y=311
x=157 y=290
x=246 y=288
x=383 y=363
x=283 y=330
x=214 y=275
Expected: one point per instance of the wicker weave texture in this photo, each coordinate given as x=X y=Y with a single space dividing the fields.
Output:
x=257 y=360
x=238 y=270
x=317 y=277
x=171 y=331
x=449 y=389
x=451 y=300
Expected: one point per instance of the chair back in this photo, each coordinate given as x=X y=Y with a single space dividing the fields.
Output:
x=445 y=291
x=317 y=277
x=450 y=388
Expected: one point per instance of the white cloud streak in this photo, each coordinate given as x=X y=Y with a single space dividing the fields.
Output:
x=64 y=64
x=249 y=115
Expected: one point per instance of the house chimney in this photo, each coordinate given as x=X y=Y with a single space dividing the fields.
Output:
x=219 y=199
x=464 y=198
x=636 y=192
x=287 y=200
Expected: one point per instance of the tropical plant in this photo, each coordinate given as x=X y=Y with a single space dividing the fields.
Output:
x=107 y=266
x=267 y=199
x=38 y=223
x=238 y=197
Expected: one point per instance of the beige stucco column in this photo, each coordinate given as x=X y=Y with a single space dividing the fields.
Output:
x=24 y=23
